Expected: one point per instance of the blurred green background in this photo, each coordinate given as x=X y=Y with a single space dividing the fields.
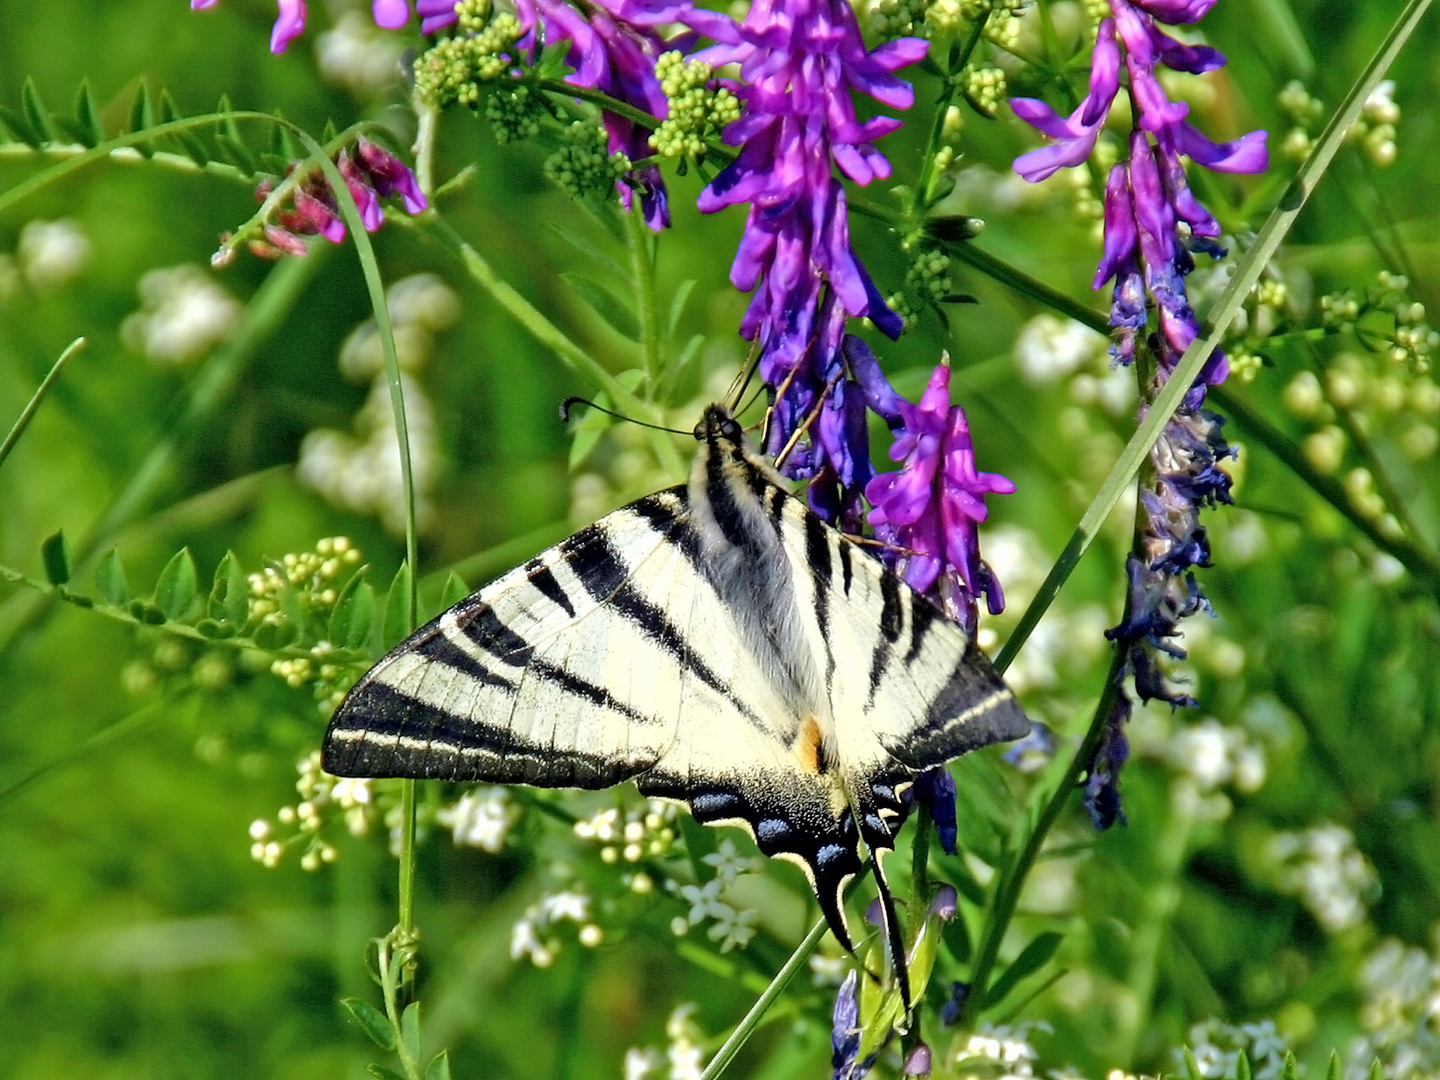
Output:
x=141 y=939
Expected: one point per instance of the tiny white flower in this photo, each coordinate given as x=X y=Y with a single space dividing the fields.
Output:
x=51 y=254
x=729 y=863
x=704 y=900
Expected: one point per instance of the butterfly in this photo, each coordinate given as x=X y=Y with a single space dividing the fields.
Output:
x=719 y=645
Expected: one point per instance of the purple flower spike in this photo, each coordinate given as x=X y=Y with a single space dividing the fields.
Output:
x=288 y=26
x=935 y=788
x=435 y=14
x=845 y=1033
x=391 y=14
x=930 y=508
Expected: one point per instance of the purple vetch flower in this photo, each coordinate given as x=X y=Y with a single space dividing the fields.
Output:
x=935 y=788
x=929 y=510
x=390 y=14
x=955 y=1005
x=371 y=173
x=1102 y=785
x=845 y=1033
x=917 y=1061
x=799 y=61
x=1153 y=226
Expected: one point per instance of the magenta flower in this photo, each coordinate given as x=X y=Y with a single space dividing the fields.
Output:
x=391 y=14
x=931 y=507
x=371 y=173
x=1074 y=135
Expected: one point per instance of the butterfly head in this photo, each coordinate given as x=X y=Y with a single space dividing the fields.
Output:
x=717 y=425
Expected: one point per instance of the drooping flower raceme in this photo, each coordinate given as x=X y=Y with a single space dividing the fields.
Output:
x=1153 y=223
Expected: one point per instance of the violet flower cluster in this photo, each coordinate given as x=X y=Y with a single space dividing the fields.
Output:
x=1153 y=224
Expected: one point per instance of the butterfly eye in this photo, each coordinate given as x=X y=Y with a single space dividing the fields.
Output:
x=730 y=430
x=699 y=432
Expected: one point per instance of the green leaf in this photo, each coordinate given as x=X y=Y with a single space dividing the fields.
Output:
x=397 y=618
x=189 y=142
x=439 y=1067
x=1242 y=1067
x=612 y=269
x=142 y=115
x=1333 y=1071
x=372 y=1021
x=36 y=114
x=291 y=605
x=956 y=935
x=1031 y=959
x=619 y=315
x=587 y=430
x=354 y=614
x=380 y=1072
x=229 y=593
x=1377 y=1071
x=87 y=116
x=176 y=588
x=237 y=153
x=276 y=632
x=1192 y=1070
x=110 y=579
x=55 y=553
x=677 y=306
x=454 y=591
x=16 y=125
x=1289 y=1071
x=281 y=145
x=410 y=1030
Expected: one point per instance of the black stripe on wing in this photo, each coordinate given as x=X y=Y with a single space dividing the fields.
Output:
x=404 y=737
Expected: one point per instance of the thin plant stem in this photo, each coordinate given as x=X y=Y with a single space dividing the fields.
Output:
x=642 y=273
x=1007 y=893
x=28 y=413
x=752 y=1019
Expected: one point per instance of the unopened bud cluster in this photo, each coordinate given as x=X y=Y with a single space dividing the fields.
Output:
x=454 y=69
x=644 y=833
x=583 y=166
x=929 y=276
x=300 y=825
x=984 y=87
x=698 y=111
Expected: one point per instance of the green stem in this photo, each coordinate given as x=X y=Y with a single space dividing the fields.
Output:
x=753 y=1018
x=926 y=180
x=28 y=413
x=1007 y=893
x=642 y=272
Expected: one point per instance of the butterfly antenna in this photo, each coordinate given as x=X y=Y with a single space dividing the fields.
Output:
x=570 y=401
x=779 y=395
x=810 y=419
x=741 y=381
x=891 y=929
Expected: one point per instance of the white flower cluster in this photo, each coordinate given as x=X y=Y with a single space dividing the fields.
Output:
x=1004 y=1045
x=318 y=791
x=480 y=818
x=1217 y=1046
x=184 y=313
x=359 y=56
x=48 y=256
x=732 y=927
x=1330 y=875
x=360 y=471
x=1050 y=349
x=1209 y=756
x=1400 y=1014
x=682 y=1059
x=534 y=936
